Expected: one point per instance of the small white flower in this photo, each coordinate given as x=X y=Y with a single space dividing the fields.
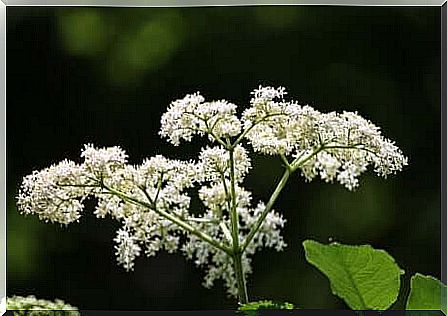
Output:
x=215 y=163
x=349 y=175
x=53 y=193
x=179 y=121
x=103 y=162
x=214 y=197
x=192 y=116
x=264 y=94
x=127 y=249
x=327 y=165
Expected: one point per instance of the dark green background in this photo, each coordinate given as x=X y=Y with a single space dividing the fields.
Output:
x=105 y=75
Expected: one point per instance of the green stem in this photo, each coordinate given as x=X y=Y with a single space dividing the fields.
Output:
x=240 y=278
x=227 y=193
x=298 y=162
x=237 y=252
x=285 y=161
x=351 y=147
x=245 y=132
x=268 y=208
x=290 y=168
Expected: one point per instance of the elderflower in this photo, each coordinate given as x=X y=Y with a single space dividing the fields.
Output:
x=215 y=163
x=129 y=194
x=54 y=193
x=215 y=263
x=127 y=248
x=152 y=200
x=332 y=145
x=191 y=115
x=347 y=145
x=215 y=196
x=102 y=162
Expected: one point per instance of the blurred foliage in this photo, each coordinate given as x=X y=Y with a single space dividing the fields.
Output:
x=129 y=47
x=85 y=32
x=105 y=75
x=21 y=245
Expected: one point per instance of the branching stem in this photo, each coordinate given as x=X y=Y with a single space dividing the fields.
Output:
x=292 y=167
x=237 y=251
x=205 y=237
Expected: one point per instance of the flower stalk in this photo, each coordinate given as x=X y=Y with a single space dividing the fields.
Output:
x=187 y=227
x=237 y=251
x=268 y=207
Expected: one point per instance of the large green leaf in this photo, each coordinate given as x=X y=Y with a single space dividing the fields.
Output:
x=427 y=293
x=365 y=278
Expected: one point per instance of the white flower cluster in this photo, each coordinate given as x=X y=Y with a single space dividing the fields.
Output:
x=103 y=162
x=347 y=144
x=128 y=193
x=151 y=199
x=157 y=184
x=215 y=163
x=217 y=264
x=192 y=115
x=31 y=306
x=134 y=195
x=53 y=194
x=215 y=196
x=335 y=146
x=331 y=145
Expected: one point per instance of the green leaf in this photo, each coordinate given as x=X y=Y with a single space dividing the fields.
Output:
x=252 y=308
x=427 y=293
x=365 y=278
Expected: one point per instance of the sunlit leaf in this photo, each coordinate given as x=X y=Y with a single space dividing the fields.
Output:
x=365 y=278
x=427 y=293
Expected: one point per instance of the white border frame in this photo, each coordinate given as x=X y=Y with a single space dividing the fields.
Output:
x=142 y=3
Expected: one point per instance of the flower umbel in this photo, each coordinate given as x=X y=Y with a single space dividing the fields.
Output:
x=152 y=200
x=192 y=115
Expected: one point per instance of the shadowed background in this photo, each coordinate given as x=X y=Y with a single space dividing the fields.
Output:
x=105 y=75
